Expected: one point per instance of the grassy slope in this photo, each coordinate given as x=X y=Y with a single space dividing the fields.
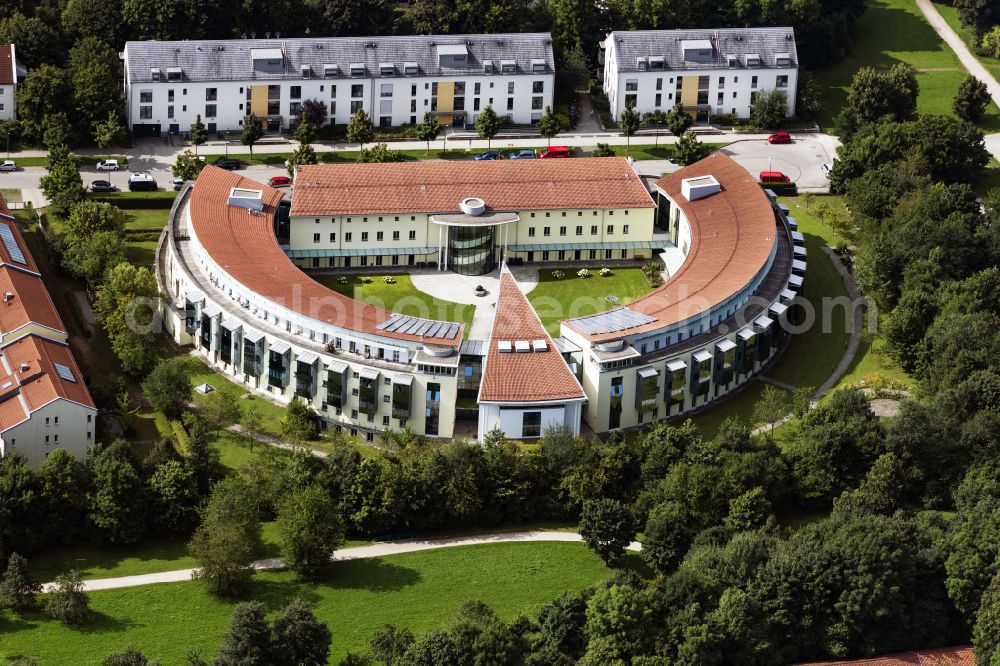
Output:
x=893 y=31
x=401 y=297
x=555 y=300
x=417 y=590
x=950 y=15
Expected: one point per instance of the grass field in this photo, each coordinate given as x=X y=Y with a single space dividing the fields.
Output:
x=417 y=590
x=893 y=31
x=950 y=15
x=401 y=297
x=555 y=299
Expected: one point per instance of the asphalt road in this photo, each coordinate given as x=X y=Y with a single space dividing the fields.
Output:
x=800 y=160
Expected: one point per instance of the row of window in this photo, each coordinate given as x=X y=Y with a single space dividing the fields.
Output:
x=547 y=231
x=348 y=236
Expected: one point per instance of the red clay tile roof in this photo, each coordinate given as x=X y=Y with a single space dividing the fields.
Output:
x=244 y=245
x=438 y=187
x=953 y=656
x=7 y=220
x=732 y=233
x=6 y=64
x=523 y=376
x=30 y=302
x=25 y=389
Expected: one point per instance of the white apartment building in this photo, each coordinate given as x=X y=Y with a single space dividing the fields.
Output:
x=396 y=80
x=707 y=72
x=10 y=74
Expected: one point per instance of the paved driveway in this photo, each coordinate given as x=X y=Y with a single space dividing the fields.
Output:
x=799 y=160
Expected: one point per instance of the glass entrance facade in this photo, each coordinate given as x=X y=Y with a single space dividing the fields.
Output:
x=470 y=249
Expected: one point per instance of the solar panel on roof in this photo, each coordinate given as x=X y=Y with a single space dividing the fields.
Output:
x=452 y=330
x=12 y=248
x=64 y=372
x=613 y=320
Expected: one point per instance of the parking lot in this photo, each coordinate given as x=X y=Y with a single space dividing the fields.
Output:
x=800 y=160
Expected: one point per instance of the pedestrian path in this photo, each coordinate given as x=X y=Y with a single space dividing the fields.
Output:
x=382 y=549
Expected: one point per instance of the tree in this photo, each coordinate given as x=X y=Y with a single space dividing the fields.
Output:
x=548 y=125
x=310 y=530
x=305 y=133
x=428 y=130
x=252 y=421
x=199 y=134
x=881 y=491
x=668 y=536
x=979 y=15
x=769 y=108
x=575 y=68
x=991 y=42
x=17 y=587
x=92 y=257
x=174 y=495
x=314 y=112
x=253 y=131
x=126 y=306
x=118 y=509
x=771 y=406
x=44 y=92
x=971 y=99
x=749 y=511
x=187 y=166
x=94 y=18
x=379 y=153
x=62 y=185
x=808 y=96
x=390 y=643
x=602 y=150
x=875 y=93
x=248 y=641
x=89 y=217
x=67 y=602
x=225 y=543
x=689 y=150
x=628 y=125
x=130 y=656
x=561 y=623
x=96 y=83
x=168 y=387
x=679 y=121
x=360 y=129
x=57 y=131
x=986 y=631
x=299 y=423
x=63 y=490
x=487 y=124
x=303 y=154
x=622 y=615
x=299 y=638
x=222 y=406
x=607 y=527
x=37 y=40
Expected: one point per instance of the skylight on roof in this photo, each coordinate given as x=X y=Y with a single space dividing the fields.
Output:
x=64 y=372
x=12 y=247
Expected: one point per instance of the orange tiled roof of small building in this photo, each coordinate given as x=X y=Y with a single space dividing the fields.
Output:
x=29 y=378
x=7 y=220
x=523 y=376
x=244 y=245
x=952 y=656
x=6 y=64
x=438 y=187
x=29 y=302
x=732 y=233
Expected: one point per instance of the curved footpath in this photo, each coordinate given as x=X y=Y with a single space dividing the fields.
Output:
x=356 y=553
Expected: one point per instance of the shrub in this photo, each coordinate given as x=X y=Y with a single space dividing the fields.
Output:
x=559 y=275
x=68 y=603
x=342 y=280
x=365 y=279
x=606 y=272
x=583 y=273
x=991 y=42
x=388 y=279
x=603 y=150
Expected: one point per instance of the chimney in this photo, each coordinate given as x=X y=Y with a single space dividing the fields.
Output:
x=25 y=367
x=8 y=296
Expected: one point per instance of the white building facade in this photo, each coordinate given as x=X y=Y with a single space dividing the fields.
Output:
x=708 y=72
x=10 y=75
x=396 y=80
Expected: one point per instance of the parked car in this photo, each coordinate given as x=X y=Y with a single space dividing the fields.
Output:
x=8 y=165
x=523 y=155
x=773 y=177
x=141 y=182
x=108 y=165
x=280 y=181
x=488 y=155
x=554 y=151
x=826 y=168
x=178 y=183
x=102 y=186
x=780 y=137
x=228 y=164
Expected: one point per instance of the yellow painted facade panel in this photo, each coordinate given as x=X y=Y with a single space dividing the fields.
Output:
x=446 y=95
x=689 y=91
x=258 y=100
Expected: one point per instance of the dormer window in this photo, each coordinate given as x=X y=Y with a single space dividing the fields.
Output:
x=487 y=67
x=331 y=71
x=411 y=69
x=386 y=69
x=656 y=63
x=306 y=72
x=782 y=60
x=357 y=69
x=732 y=60
x=508 y=66
x=538 y=65
x=154 y=74
x=175 y=74
x=641 y=64
x=753 y=60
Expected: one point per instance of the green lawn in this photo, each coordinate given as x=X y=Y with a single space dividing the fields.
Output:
x=141 y=253
x=950 y=15
x=401 y=297
x=893 y=31
x=146 y=219
x=558 y=299
x=418 y=590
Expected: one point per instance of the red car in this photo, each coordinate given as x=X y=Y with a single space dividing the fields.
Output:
x=280 y=181
x=780 y=137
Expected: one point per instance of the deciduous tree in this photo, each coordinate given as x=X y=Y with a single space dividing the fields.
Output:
x=67 y=601
x=487 y=124
x=628 y=125
x=225 y=543
x=299 y=638
x=607 y=527
x=248 y=640
x=428 y=130
x=187 y=166
x=253 y=131
x=548 y=125
x=199 y=134
x=168 y=387
x=679 y=121
x=360 y=129
x=310 y=530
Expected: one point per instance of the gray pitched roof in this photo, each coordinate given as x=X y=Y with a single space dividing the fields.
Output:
x=739 y=42
x=230 y=60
